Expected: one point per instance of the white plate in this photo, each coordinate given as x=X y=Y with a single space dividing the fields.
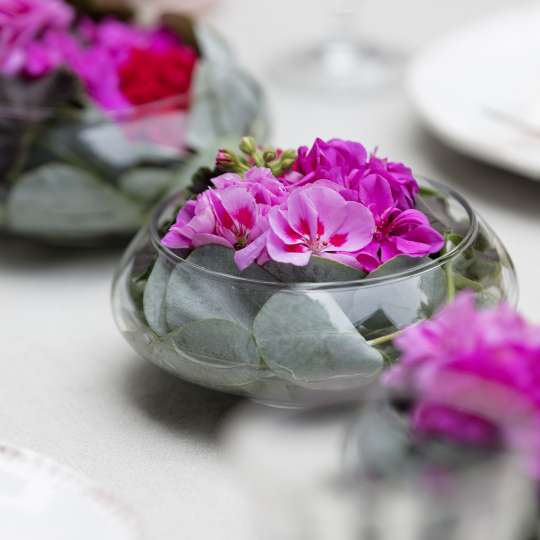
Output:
x=479 y=90
x=41 y=499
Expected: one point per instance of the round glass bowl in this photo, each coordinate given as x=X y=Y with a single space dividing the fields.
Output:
x=86 y=177
x=286 y=344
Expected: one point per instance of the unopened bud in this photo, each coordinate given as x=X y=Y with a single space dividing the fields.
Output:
x=224 y=159
x=248 y=145
x=269 y=155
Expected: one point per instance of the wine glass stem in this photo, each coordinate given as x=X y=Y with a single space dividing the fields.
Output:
x=344 y=17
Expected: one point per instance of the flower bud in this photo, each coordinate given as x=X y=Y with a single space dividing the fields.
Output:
x=224 y=159
x=269 y=155
x=248 y=146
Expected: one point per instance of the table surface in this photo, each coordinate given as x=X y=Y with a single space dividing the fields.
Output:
x=71 y=387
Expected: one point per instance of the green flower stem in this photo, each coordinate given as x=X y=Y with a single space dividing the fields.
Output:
x=384 y=339
x=450 y=279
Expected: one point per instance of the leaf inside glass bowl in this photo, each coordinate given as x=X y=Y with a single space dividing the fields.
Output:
x=306 y=338
x=60 y=199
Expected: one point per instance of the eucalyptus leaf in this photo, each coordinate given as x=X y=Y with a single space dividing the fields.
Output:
x=319 y=270
x=146 y=184
x=306 y=338
x=227 y=102
x=437 y=209
x=217 y=342
x=123 y=144
x=193 y=295
x=154 y=297
x=212 y=45
x=215 y=353
x=402 y=302
x=59 y=199
x=204 y=158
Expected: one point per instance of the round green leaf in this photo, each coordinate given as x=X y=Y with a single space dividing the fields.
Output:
x=193 y=295
x=306 y=338
x=60 y=199
x=154 y=297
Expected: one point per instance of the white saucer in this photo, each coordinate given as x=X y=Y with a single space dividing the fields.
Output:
x=479 y=90
x=40 y=499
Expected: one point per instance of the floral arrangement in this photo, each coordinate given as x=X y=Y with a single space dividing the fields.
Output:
x=473 y=377
x=280 y=272
x=332 y=201
x=98 y=115
x=466 y=384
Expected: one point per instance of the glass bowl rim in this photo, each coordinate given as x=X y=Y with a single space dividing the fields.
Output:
x=133 y=112
x=467 y=241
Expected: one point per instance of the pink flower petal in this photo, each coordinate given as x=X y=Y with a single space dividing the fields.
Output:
x=203 y=239
x=330 y=208
x=356 y=230
x=302 y=214
x=375 y=193
x=297 y=254
x=247 y=256
x=279 y=224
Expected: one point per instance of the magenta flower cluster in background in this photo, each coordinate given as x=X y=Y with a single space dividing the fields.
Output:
x=474 y=377
x=121 y=65
x=335 y=202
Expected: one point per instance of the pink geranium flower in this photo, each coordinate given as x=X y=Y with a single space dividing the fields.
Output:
x=474 y=376
x=260 y=182
x=228 y=217
x=22 y=23
x=398 y=232
x=400 y=178
x=317 y=220
x=109 y=49
x=194 y=218
x=346 y=164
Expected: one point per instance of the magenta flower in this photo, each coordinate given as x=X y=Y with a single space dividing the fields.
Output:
x=109 y=45
x=52 y=51
x=317 y=220
x=336 y=160
x=22 y=23
x=260 y=182
x=399 y=177
x=227 y=217
x=474 y=376
x=346 y=164
x=97 y=70
x=397 y=232
x=194 y=218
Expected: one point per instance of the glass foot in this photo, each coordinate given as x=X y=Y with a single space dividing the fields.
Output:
x=339 y=66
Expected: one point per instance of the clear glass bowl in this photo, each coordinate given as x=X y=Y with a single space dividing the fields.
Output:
x=286 y=344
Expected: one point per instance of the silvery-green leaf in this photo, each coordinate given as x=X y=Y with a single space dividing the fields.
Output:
x=403 y=301
x=319 y=270
x=306 y=338
x=193 y=295
x=218 y=342
x=154 y=297
x=118 y=144
x=215 y=353
x=146 y=184
x=226 y=103
x=59 y=199
x=212 y=45
x=204 y=158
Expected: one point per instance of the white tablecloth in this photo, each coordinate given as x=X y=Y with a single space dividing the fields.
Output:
x=70 y=386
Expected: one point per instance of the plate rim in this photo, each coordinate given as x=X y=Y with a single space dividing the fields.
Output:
x=82 y=484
